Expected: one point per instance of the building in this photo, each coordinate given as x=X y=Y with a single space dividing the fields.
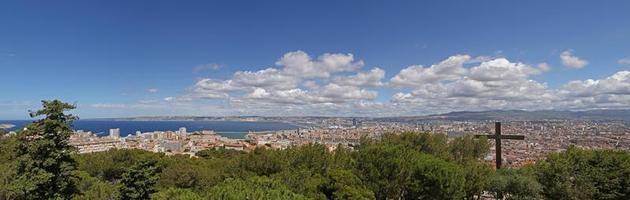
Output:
x=182 y=131
x=114 y=133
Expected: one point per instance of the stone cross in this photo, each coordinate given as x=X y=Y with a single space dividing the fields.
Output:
x=497 y=141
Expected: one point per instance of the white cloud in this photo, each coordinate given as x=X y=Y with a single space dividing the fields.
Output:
x=624 y=61
x=370 y=78
x=569 y=60
x=300 y=64
x=335 y=84
x=493 y=84
x=544 y=67
x=417 y=75
x=267 y=78
x=152 y=90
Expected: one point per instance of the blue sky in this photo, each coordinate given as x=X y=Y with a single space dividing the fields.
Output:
x=130 y=58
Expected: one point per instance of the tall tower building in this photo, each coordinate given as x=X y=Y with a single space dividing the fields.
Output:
x=182 y=131
x=114 y=132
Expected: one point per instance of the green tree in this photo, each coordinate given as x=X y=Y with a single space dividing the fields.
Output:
x=434 y=144
x=257 y=187
x=7 y=173
x=7 y=166
x=45 y=168
x=220 y=153
x=467 y=148
x=514 y=184
x=343 y=184
x=397 y=171
x=110 y=165
x=138 y=182
x=476 y=175
x=91 y=188
x=265 y=162
x=177 y=194
x=585 y=174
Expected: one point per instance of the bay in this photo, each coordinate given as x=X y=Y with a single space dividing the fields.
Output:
x=230 y=129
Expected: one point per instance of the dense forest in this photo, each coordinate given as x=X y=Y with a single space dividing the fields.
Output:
x=37 y=163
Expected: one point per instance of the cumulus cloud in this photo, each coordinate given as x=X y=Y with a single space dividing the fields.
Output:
x=300 y=64
x=370 y=78
x=152 y=90
x=416 y=75
x=492 y=83
x=267 y=78
x=569 y=60
x=624 y=61
x=336 y=84
x=298 y=80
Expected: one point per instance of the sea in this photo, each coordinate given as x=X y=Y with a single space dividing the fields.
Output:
x=229 y=129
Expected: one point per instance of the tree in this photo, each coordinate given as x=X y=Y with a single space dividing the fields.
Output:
x=257 y=187
x=177 y=194
x=434 y=144
x=397 y=171
x=585 y=174
x=476 y=175
x=220 y=153
x=514 y=184
x=264 y=162
x=7 y=167
x=467 y=148
x=138 y=182
x=45 y=168
x=343 y=184
x=91 y=188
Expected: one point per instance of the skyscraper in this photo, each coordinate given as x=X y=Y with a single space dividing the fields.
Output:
x=114 y=132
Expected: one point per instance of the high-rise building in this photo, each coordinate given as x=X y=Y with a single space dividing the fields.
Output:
x=182 y=131
x=114 y=132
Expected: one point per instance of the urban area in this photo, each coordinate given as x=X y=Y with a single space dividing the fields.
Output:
x=541 y=137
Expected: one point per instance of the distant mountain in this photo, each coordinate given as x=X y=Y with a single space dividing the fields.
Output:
x=501 y=115
x=521 y=115
x=6 y=126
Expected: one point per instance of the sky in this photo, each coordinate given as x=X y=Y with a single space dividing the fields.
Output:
x=315 y=58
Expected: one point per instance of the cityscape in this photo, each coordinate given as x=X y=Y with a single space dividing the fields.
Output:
x=541 y=137
x=314 y=100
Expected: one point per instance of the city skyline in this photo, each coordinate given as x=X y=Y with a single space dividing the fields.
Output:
x=281 y=59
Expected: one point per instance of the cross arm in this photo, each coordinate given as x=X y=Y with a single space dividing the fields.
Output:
x=509 y=137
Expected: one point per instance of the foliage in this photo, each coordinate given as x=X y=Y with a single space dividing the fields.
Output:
x=196 y=174
x=476 y=178
x=45 y=168
x=434 y=144
x=177 y=194
x=91 y=188
x=111 y=165
x=394 y=171
x=7 y=167
x=264 y=162
x=219 y=153
x=465 y=148
x=138 y=182
x=514 y=184
x=585 y=174
x=257 y=187
x=344 y=184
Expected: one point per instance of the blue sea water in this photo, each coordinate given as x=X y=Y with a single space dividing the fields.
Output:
x=230 y=129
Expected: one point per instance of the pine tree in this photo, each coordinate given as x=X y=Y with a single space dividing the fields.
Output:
x=138 y=183
x=45 y=168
